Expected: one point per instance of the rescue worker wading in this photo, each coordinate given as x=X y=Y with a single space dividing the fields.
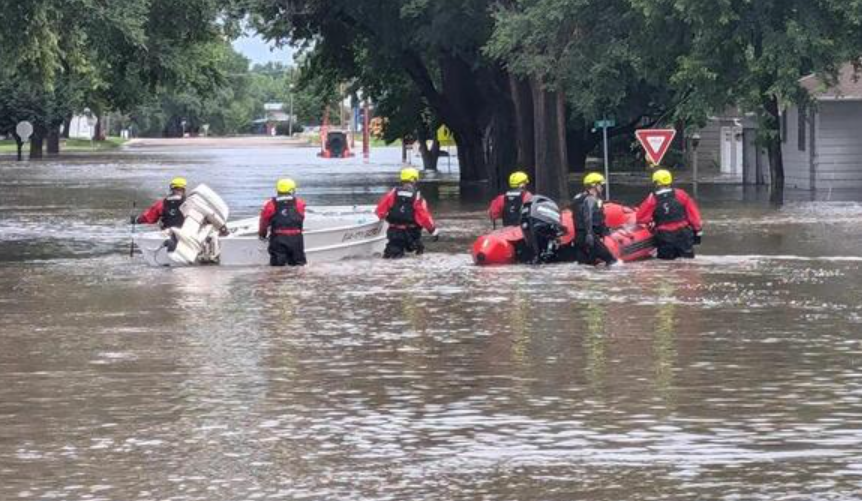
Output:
x=678 y=227
x=508 y=205
x=166 y=212
x=282 y=219
x=590 y=228
x=407 y=214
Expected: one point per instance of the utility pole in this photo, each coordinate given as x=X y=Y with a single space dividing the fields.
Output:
x=290 y=117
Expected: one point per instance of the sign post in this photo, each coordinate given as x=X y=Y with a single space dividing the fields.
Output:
x=24 y=130
x=366 y=133
x=656 y=143
x=605 y=125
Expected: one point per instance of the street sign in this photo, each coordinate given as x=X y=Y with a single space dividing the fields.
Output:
x=445 y=136
x=605 y=124
x=656 y=143
x=24 y=130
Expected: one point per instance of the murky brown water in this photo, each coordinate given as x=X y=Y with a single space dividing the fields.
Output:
x=734 y=377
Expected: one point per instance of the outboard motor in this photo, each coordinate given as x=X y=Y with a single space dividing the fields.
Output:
x=196 y=241
x=542 y=225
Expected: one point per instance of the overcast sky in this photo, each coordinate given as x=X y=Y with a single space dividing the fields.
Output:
x=254 y=48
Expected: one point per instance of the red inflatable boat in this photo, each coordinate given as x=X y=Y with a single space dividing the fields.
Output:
x=628 y=240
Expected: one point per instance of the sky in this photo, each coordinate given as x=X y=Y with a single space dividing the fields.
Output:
x=256 y=49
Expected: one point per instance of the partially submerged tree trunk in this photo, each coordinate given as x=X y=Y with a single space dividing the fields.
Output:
x=37 y=142
x=550 y=140
x=431 y=155
x=522 y=99
x=100 y=134
x=67 y=126
x=20 y=145
x=776 y=159
x=54 y=140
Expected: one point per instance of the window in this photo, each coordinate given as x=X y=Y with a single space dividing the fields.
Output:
x=802 y=127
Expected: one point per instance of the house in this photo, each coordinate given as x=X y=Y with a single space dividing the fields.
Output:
x=728 y=146
x=274 y=115
x=822 y=142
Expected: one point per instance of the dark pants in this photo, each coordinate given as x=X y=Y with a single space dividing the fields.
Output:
x=286 y=250
x=675 y=244
x=591 y=255
x=400 y=241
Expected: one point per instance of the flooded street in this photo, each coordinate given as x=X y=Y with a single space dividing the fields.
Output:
x=737 y=376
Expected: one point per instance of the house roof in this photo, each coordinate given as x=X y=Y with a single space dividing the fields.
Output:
x=847 y=88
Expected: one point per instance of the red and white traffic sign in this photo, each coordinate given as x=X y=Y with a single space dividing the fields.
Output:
x=656 y=143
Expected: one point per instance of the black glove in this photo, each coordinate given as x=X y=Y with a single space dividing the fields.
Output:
x=590 y=240
x=435 y=235
x=224 y=232
x=133 y=219
x=698 y=237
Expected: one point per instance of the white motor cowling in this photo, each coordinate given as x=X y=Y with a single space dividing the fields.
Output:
x=197 y=239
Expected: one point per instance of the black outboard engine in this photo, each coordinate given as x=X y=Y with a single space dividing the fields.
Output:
x=542 y=225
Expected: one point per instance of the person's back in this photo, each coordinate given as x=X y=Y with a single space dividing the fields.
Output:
x=507 y=206
x=407 y=214
x=282 y=220
x=675 y=216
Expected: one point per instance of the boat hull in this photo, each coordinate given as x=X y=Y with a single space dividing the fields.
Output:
x=332 y=234
x=628 y=241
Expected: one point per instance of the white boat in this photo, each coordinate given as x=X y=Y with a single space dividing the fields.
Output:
x=331 y=234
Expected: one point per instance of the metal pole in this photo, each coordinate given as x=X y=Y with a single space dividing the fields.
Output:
x=694 y=173
x=607 y=166
x=290 y=118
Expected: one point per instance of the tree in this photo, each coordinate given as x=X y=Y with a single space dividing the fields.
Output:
x=754 y=53
x=106 y=55
x=436 y=45
x=601 y=56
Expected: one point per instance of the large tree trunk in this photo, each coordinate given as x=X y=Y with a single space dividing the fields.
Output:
x=429 y=155
x=472 y=103
x=37 y=142
x=549 y=120
x=522 y=99
x=776 y=159
x=54 y=140
x=100 y=134
x=67 y=126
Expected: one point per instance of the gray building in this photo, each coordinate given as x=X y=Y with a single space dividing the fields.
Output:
x=728 y=147
x=822 y=143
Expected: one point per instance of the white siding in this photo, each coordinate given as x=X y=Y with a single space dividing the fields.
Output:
x=709 y=151
x=839 y=145
x=797 y=164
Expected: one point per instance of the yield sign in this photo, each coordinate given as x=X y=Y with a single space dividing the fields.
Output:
x=656 y=142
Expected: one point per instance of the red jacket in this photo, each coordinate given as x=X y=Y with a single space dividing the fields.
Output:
x=267 y=213
x=154 y=214
x=496 y=209
x=646 y=212
x=421 y=214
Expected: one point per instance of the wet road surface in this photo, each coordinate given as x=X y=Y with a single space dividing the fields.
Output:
x=737 y=376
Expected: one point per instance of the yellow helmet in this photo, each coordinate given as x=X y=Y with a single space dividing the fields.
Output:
x=179 y=182
x=662 y=177
x=518 y=178
x=409 y=175
x=286 y=185
x=593 y=179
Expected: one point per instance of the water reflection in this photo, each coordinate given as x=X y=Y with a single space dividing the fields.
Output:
x=735 y=376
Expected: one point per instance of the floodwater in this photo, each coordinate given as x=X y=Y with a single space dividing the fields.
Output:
x=737 y=376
